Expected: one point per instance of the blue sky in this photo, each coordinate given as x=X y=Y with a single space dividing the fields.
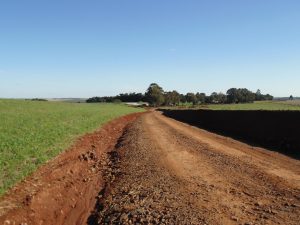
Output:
x=74 y=48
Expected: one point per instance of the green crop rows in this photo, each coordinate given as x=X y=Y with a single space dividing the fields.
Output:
x=33 y=132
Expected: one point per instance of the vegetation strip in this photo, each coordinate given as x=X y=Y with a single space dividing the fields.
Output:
x=32 y=132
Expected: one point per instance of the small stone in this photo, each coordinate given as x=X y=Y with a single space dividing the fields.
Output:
x=124 y=217
x=258 y=204
x=234 y=218
x=86 y=179
x=99 y=196
x=265 y=217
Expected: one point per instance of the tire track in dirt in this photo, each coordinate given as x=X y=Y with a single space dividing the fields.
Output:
x=171 y=173
x=269 y=161
x=236 y=176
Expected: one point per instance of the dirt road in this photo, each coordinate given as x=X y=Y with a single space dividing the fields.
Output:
x=162 y=171
x=172 y=173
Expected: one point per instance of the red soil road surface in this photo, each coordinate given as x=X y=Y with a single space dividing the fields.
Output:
x=161 y=172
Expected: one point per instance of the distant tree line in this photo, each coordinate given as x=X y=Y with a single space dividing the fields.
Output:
x=38 y=99
x=156 y=96
x=127 y=97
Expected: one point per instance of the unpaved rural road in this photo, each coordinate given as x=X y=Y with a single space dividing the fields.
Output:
x=162 y=171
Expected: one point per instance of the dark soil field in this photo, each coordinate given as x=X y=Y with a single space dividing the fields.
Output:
x=276 y=130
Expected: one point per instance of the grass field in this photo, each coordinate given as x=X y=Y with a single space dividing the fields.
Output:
x=265 y=105
x=33 y=132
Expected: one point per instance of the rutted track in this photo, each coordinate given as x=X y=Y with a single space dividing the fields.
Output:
x=165 y=172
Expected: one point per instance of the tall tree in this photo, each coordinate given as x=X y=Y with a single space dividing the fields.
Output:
x=175 y=97
x=191 y=98
x=182 y=98
x=155 y=95
x=200 y=97
x=258 y=95
x=172 y=98
x=241 y=95
x=232 y=95
x=222 y=98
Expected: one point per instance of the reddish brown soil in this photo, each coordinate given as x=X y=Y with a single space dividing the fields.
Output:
x=172 y=173
x=161 y=171
x=64 y=190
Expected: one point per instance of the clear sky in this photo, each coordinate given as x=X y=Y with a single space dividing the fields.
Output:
x=72 y=48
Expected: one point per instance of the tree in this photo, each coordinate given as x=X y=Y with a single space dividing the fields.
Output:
x=217 y=98
x=258 y=95
x=222 y=98
x=268 y=97
x=175 y=97
x=191 y=98
x=172 y=98
x=130 y=97
x=214 y=98
x=291 y=97
x=95 y=99
x=241 y=95
x=200 y=97
x=168 y=98
x=232 y=95
x=182 y=98
x=155 y=95
x=208 y=99
x=244 y=95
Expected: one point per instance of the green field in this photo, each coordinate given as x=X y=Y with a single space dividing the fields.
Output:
x=265 y=105
x=32 y=132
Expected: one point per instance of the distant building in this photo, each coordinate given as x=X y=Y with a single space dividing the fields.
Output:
x=137 y=103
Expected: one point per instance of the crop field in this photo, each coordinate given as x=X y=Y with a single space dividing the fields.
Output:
x=33 y=132
x=264 y=105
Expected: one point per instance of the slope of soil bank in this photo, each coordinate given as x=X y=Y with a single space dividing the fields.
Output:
x=64 y=190
x=167 y=172
x=277 y=130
